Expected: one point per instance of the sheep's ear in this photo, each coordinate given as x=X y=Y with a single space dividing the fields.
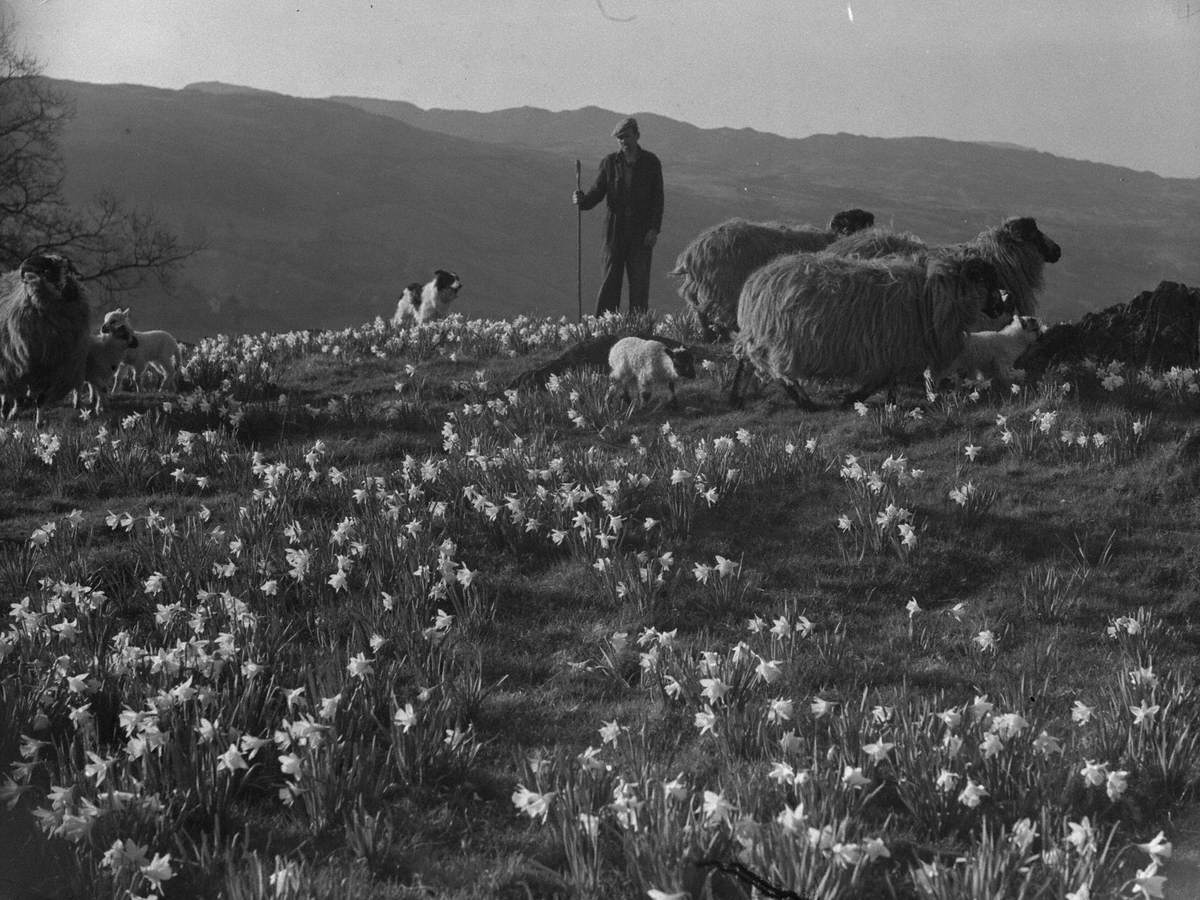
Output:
x=133 y=342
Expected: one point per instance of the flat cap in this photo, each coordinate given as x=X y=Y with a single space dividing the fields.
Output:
x=628 y=125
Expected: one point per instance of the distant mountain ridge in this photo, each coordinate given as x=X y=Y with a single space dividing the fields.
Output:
x=316 y=212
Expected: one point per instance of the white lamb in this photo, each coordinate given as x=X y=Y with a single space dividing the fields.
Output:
x=153 y=350
x=992 y=354
x=649 y=364
x=105 y=355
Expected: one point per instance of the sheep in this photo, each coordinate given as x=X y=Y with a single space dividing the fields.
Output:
x=425 y=303
x=1017 y=248
x=819 y=315
x=649 y=364
x=44 y=323
x=156 y=350
x=715 y=265
x=993 y=354
x=106 y=353
x=870 y=243
x=589 y=353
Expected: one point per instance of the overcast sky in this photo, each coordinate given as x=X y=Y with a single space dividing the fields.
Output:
x=1114 y=81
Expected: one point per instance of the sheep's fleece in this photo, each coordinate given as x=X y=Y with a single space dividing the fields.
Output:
x=649 y=364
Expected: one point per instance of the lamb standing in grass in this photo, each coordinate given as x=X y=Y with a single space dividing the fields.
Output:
x=649 y=364
x=105 y=355
x=993 y=354
x=157 y=350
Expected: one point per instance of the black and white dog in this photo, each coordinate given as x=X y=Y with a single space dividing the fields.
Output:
x=424 y=303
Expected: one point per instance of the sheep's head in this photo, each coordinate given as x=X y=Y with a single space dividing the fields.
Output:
x=121 y=332
x=848 y=221
x=116 y=319
x=977 y=278
x=684 y=362
x=50 y=278
x=1031 y=327
x=1025 y=230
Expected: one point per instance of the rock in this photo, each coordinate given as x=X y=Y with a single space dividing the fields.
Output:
x=1159 y=328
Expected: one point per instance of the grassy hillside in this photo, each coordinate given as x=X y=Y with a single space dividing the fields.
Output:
x=348 y=619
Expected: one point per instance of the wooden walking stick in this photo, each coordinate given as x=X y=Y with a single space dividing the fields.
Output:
x=579 y=242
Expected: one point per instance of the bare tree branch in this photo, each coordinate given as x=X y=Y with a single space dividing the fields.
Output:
x=115 y=247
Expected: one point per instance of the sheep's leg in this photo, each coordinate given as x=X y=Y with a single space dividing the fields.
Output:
x=163 y=372
x=800 y=397
x=870 y=386
x=735 y=398
x=673 y=401
x=123 y=373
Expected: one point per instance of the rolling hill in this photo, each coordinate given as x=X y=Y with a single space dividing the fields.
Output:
x=314 y=213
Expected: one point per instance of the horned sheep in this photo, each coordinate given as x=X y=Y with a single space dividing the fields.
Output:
x=824 y=316
x=1017 y=248
x=148 y=350
x=649 y=364
x=715 y=265
x=993 y=354
x=44 y=323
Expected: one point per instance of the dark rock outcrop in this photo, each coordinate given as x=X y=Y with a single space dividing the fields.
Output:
x=1159 y=328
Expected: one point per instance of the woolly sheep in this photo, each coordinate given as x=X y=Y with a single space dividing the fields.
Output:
x=715 y=265
x=148 y=350
x=870 y=243
x=44 y=321
x=424 y=303
x=1017 y=248
x=819 y=315
x=993 y=354
x=649 y=364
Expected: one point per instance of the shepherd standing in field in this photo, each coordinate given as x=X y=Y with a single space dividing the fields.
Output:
x=631 y=182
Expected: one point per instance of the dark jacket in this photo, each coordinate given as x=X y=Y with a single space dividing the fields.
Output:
x=629 y=217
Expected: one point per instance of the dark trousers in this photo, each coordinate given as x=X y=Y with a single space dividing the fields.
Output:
x=626 y=257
